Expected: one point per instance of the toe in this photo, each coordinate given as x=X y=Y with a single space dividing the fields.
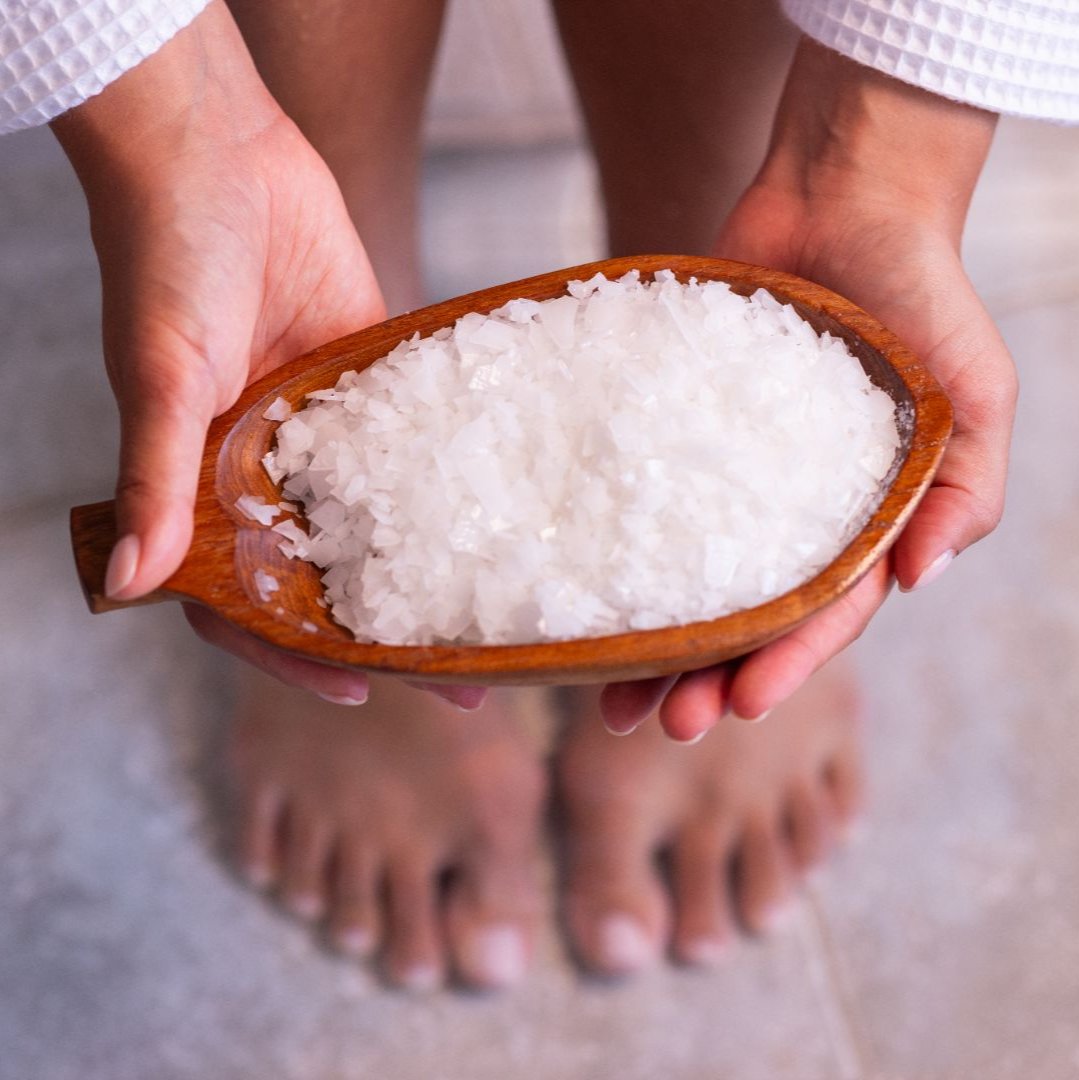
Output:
x=763 y=883
x=810 y=826
x=490 y=919
x=616 y=912
x=700 y=885
x=259 y=816
x=304 y=866
x=355 y=923
x=413 y=955
x=844 y=779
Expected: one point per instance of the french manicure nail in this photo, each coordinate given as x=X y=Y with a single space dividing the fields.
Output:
x=623 y=944
x=934 y=570
x=123 y=562
x=342 y=699
x=705 y=952
x=621 y=731
x=497 y=955
x=689 y=742
x=421 y=978
x=751 y=719
x=354 y=942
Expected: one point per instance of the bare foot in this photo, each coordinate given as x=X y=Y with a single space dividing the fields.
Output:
x=737 y=821
x=409 y=826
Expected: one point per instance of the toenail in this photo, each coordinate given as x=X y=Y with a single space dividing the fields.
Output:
x=496 y=956
x=258 y=876
x=752 y=719
x=777 y=918
x=354 y=942
x=342 y=699
x=305 y=906
x=420 y=979
x=705 y=952
x=623 y=944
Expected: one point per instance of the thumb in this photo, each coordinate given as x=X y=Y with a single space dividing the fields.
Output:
x=165 y=412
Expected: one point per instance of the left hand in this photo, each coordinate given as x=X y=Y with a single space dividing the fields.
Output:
x=865 y=191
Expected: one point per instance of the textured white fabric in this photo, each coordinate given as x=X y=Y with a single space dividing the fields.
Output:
x=54 y=54
x=1009 y=56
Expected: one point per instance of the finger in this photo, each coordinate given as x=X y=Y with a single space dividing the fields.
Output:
x=468 y=698
x=696 y=703
x=966 y=500
x=165 y=410
x=770 y=675
x=335 y=684
x=623 y=706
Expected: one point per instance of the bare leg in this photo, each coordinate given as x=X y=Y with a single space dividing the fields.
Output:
x=358 y=816
x=679 y=100
x=354 y=76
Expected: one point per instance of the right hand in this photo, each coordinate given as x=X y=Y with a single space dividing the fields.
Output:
x=225 y=249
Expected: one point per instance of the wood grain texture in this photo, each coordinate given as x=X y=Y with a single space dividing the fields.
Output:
x=219 y=570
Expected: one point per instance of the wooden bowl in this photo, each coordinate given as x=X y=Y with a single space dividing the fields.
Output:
x=219 y=569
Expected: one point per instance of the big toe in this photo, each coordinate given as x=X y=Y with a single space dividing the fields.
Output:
x=491 y=916
x=617 y=915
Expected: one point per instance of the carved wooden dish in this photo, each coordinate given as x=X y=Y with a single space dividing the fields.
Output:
x=219 y=570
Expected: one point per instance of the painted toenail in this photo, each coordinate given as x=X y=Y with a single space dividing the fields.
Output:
x=257 y=875
x=420 y=979
x=305 y=906
x=342 y=699
x=623 y=944
x=705 y=952
x=777 y=918
x=354 y=942
x=497 y=956
x=934 y=570
x=752 y=719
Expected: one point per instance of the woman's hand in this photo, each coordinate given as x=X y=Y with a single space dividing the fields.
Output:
x=225 y=249
x=865 y=190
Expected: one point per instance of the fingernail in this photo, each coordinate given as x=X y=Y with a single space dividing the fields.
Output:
x=420 y=979
x=623 y=944
x=752 y=719
x=123 y=562
x=497 y=956
x=354 y=942
x=342 y=699
x=690 y=742
x=934 y=570
x=621 y=731
x=705 y=952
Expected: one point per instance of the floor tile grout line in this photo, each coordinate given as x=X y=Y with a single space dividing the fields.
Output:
x=828 y=988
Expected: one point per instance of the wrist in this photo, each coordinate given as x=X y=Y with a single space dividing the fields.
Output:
x=846 y=133
x=200 y=91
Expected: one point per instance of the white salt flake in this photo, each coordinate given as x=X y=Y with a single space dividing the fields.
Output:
x=279 y=409
x=257 y=509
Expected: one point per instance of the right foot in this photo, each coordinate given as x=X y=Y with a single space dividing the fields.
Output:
x=738 y=821
x=409 y=826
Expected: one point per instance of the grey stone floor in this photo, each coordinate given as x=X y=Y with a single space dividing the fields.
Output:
x=944 y=945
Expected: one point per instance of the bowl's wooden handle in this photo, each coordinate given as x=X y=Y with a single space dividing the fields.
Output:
x=93 y=535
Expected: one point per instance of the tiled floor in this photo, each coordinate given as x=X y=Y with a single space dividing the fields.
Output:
x=943 y=946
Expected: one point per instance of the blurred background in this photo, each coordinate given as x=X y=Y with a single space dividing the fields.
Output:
x=943 y=944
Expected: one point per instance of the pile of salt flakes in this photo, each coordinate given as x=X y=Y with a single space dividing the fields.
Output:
x=631 y=455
